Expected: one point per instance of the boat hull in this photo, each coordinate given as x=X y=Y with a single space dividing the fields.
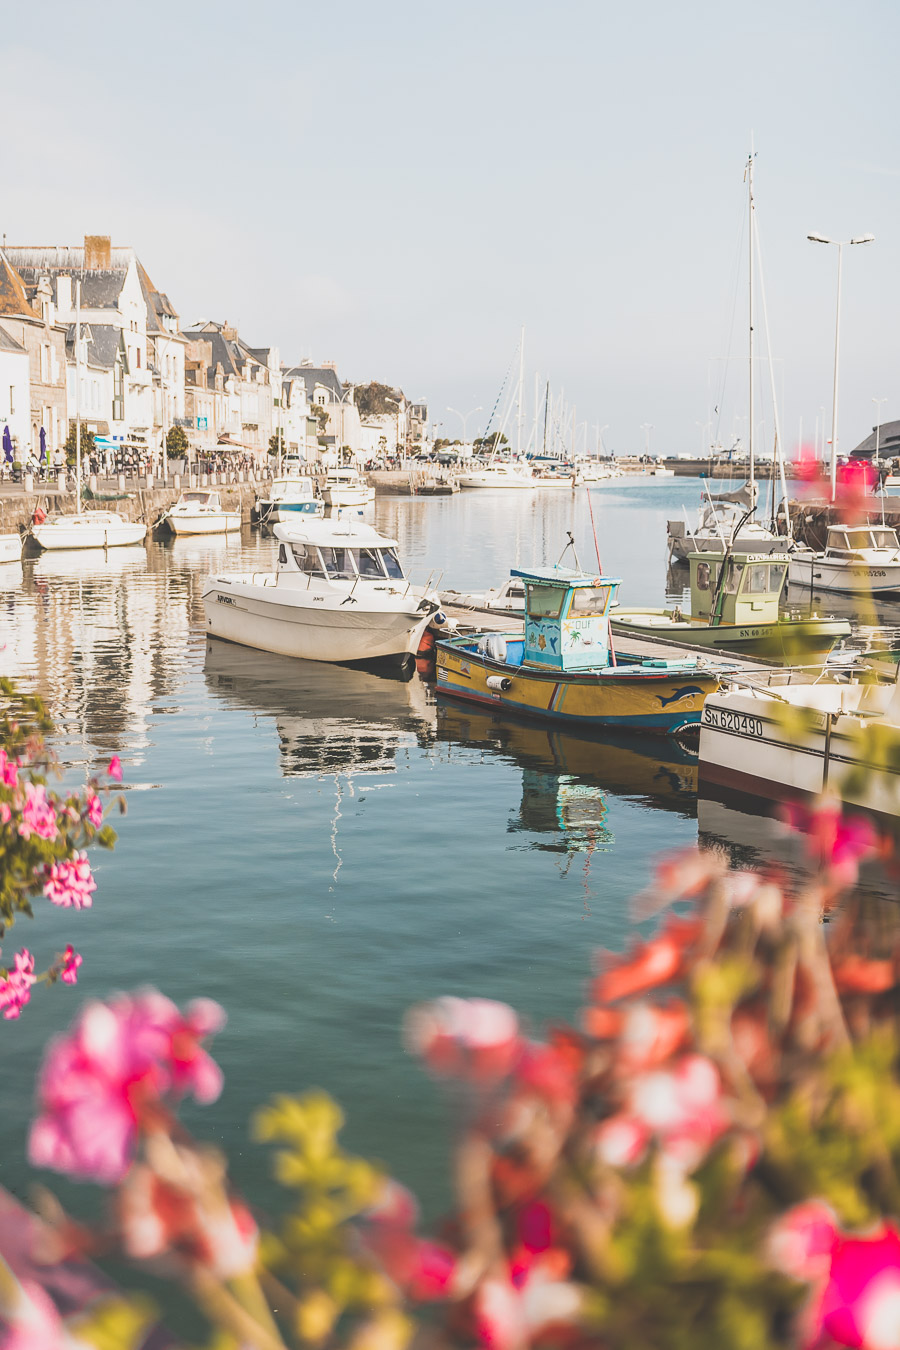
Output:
x=758 y=747
x=114 y=534
x=853 y=579
x=650 y=700
x=218 y=522
x=348 y=496
x=505 y=482
x=242 y=612
x=789 y=641
x=10 y=548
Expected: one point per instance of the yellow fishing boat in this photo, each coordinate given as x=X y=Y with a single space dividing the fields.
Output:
x=563 y=666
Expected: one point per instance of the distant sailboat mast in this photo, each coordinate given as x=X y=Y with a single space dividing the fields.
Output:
x=521 y=417
x=78 y=394
x=749 y=179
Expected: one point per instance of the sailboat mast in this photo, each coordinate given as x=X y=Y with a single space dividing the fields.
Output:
x=750 y=233
x=546 y=411
x=78 y=394
x=521 y=393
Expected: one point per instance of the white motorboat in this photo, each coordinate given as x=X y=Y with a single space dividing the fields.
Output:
x=200 y=511
x=857 y=560
x=10 y=548
x=501 y=474
x=88 y=529
x=798 y=739
x=338 y=593
x=287 y=498
x=506 y=599
x=346 y=487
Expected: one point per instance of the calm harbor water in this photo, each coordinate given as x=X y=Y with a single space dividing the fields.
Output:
x=317 y=847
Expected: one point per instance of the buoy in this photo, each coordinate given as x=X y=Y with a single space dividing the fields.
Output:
x=426 y=643
x=39 y=516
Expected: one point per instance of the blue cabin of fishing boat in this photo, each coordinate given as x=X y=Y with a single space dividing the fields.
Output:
x=566 y=618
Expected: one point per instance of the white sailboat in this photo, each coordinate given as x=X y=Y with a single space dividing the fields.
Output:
x=719 y=522
x=85 y=529
x=505 y=473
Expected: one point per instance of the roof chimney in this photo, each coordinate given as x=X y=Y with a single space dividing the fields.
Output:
x=97 y=253
x=229 y=333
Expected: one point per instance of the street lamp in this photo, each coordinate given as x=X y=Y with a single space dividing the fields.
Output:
x=648 y=427
x=464 y=417
x=878 y=402
x=823 y=239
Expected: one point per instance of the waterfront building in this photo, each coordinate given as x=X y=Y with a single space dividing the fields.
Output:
x=248 y=378
x=336 y=437
x=15 y=399
x=132 y=361
x=29 y=318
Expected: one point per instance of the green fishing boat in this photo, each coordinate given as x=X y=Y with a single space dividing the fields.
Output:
x=735 y=606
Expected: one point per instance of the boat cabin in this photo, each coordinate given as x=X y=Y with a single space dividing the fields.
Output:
x=748 y=592
x=566 y=618
x=200 y=499
x=292 y=489
x=339 y=557
x=852 y=542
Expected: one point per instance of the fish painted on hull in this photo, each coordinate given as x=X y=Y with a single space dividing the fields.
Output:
x=686 y=691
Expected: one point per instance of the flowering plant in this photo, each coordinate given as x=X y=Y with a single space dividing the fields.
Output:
x=43 y=838
x=711 y=1157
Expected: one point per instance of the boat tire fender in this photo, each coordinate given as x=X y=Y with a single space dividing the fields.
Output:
x=500 y=682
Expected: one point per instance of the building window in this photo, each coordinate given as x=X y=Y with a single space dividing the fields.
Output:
x=45 y=365
x=137 y=358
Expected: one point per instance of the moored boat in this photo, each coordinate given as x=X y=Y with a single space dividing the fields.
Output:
x=338 y=593
x=10 y=548
x=88 y=529
x=200 y=511
x=724 y=521
x=856 y=560
x=735 y=607
x=346 y=487
x=286 y=498
x=563 y=667
x=506 y=599
x=505 y=474
x=801 y=738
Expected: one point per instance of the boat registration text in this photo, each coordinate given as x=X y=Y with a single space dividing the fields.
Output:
x=723 y=719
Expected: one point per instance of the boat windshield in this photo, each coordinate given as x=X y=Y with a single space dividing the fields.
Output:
x=762 y=578
x=195 y=496
x=307 y=559
x=545 y=602
x=338 y=563
x=590 y=600
x=885 y=538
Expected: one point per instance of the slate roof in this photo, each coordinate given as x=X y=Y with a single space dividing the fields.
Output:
x=230 y=354
x=315 y=375
x=13 y=299
x=888 y=442
x=99 y=290
x=9 y=344
x=103 y=341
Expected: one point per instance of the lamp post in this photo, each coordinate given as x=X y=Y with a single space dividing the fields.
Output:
x=648 y=427
x=878 y=402
x=464 y=417
x=823 y=239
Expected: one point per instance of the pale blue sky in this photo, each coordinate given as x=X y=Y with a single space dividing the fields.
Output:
x=399 y=187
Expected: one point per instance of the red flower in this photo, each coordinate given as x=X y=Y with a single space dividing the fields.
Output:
x=651 y=964
x=473 y=1038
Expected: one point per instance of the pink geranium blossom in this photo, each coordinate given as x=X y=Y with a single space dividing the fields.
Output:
x=95 y=810
x=71 y=960
x=15 y=987
x=120 y=1061
x=9 y=770
x=38 y=814
x=469 y=1037
x=115 y=768
x=69 y=883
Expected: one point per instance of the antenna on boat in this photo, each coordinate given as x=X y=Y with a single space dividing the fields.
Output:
x=569 y=545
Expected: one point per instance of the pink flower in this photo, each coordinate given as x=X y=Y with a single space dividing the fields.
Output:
x=800 y=1242
x=474 y=1038
x=860 y=1302
x=5 y=813
x=69 y=883
x=71 y=960
x=115 y=768
x=9 y=770
x=38 y=815
x=15 y=987
x=834 y=841
x=683 y=1108
x=95 y=811
x=34 y=1322
x=621 y=1141
x=119 y=1061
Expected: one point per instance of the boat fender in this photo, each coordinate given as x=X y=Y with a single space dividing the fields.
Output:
x=501 y=682
x=426 y=643
x=39 y=516
x=493 y=645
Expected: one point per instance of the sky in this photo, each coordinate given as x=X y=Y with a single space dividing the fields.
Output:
x=401 y=187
